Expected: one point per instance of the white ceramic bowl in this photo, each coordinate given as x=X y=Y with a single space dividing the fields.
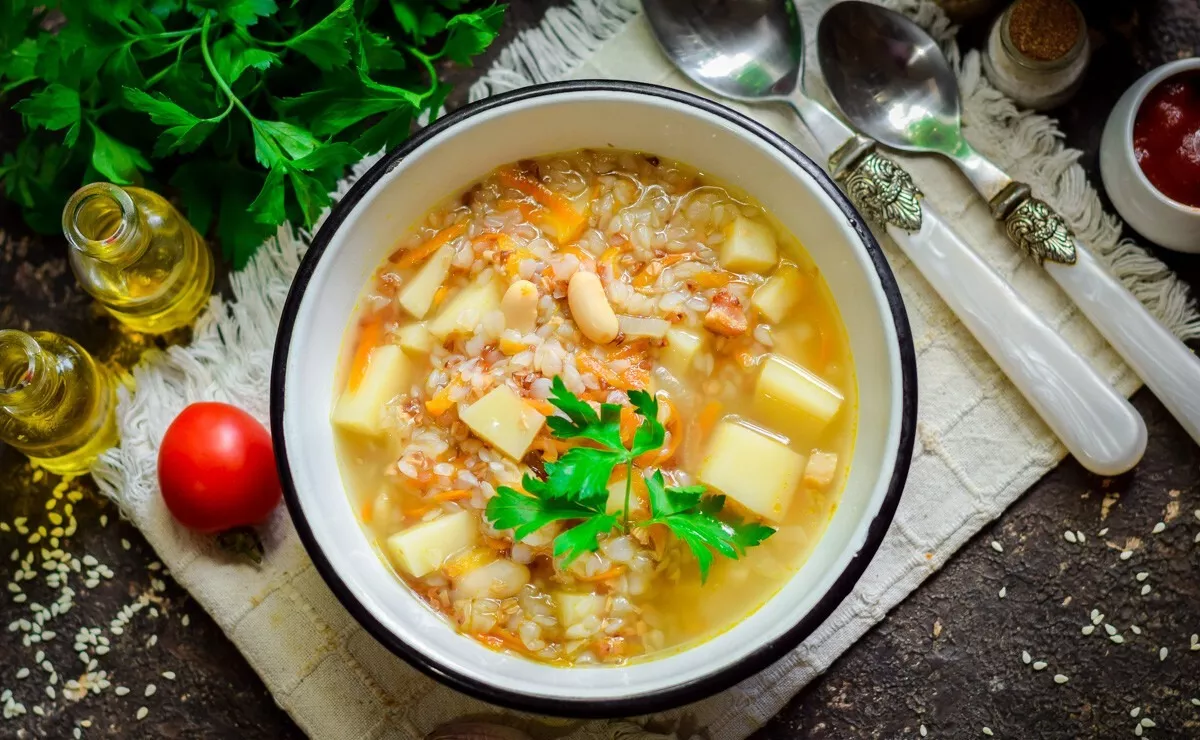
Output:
x=451 y=153
x=1155 y=216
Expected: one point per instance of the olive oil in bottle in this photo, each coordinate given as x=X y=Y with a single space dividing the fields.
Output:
x=136 y=255
x=56 y=405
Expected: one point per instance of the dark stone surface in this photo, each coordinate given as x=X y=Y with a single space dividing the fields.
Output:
x=948 y=657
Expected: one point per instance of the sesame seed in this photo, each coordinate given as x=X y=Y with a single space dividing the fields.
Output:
x=1196 y=702
x=1147 y=723
x=1145 y=589
x=1102 y=532
x=23 y=673
x=1137 y=730
x=1135 y=711
x=1088 y=629
x=1110 y=629
x=1039 y=665
x=125 y=543
x=37 y=709
x=50 y=692
x=1117 y=639
x=1126 y=554
x=1003 y=592
x=1162 y=653
x=186 y=620
x=122 y=691
x=86 y=723
x=169 y=675
x=1135 y=629
x=76 y=733
x=142 y=712
x=1158 y=528
x=1097 y=617
x=150 y=689
x=997 y=546
x=152 y=641
x=1060 y=678
x=1142 y=576
x=923 y=731
x=1069 y=536
x=1196 y=539
x=1080 y=536
x=987 y=731
x=1025 y=657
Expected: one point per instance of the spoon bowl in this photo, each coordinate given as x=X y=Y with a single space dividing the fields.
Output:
x=889 y=78
x=750 y=50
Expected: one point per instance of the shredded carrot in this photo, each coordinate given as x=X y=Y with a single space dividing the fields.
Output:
x=367 y=513
x=632 y=351
x=496 y=544
x=529 y=210
x=491 y=641
x=708 y=417
x=369 y=337
x=512 y=265
x=567 y=222
x=609 y=257
x=439 y=295
x=417 y=255
x=629 y=424
x=579 y=254
x=508 y=639
x=416 y=513
x=440 y=403
x=654 y=268
x=545 y=408
x=589 y=364
x=467 y=561
x=457 y=494
x=710 y=279
x=612 y=572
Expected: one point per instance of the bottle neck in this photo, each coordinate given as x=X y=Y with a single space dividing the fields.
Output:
x=28 y=375
x=102 y=221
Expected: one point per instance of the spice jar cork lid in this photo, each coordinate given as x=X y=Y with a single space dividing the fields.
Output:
x=1044 y=32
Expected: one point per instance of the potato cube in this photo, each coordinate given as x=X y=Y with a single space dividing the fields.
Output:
x=639 y=327
x=681 y=349
x=573 y=608
x=416 y=340
x=755 y=470
x=775 y=298
x=421 y=549
x=821 y=469
x=787 y=389
x=417 y=296
x=360 y=409
x=504 y=421
x=749 y=246
x=467 y=308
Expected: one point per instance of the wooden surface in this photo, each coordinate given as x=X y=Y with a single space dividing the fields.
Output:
x=948 y=658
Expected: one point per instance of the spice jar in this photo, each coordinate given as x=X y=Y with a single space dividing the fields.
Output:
x=1037 y=52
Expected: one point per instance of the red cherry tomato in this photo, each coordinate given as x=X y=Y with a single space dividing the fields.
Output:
x=216 y=468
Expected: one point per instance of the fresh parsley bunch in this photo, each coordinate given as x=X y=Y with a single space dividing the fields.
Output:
x=250 y=109
x=575 y=488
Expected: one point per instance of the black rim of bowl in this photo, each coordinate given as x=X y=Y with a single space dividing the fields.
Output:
x=707 y=685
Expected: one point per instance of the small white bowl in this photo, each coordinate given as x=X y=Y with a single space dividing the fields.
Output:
x=1164 y=221
x=447 y=156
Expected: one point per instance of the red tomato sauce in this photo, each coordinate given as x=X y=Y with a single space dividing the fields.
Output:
x=1166 y=137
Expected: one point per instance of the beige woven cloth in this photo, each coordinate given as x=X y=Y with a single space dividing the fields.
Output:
x=980 y=445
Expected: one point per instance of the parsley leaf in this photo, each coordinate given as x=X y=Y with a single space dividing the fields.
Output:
x=326 y=44
x=56 y=107
x=576 y=487
x=116 y=160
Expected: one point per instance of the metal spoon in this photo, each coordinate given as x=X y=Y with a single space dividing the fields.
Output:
x=891 y=80
x=753 y=51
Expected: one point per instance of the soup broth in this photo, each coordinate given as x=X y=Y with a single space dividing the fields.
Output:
x=609 y=272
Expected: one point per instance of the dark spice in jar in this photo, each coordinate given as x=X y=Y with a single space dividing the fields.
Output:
x=1044 y=30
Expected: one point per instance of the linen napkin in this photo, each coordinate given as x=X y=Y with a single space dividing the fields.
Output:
x=979 y=444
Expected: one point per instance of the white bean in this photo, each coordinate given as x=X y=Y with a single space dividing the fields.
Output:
x=520 y=305
x=590 y=308
x=498 y=579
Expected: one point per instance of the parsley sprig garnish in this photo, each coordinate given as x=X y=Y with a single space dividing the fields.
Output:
x=575 y=488
x=249 y=109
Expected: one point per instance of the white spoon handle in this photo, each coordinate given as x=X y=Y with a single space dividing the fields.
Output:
x=1095 y=423
x=1169 y=368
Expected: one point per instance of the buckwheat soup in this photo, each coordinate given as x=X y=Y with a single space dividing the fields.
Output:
x=596 y=406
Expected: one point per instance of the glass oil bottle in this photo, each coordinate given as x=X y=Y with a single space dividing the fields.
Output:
x=136 y=255
x=56 y=405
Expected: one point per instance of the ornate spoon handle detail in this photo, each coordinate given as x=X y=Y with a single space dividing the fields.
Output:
x=881 y=189
x=1033 y=226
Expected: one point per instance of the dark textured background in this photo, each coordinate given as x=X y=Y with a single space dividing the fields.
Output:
x=948 y=657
